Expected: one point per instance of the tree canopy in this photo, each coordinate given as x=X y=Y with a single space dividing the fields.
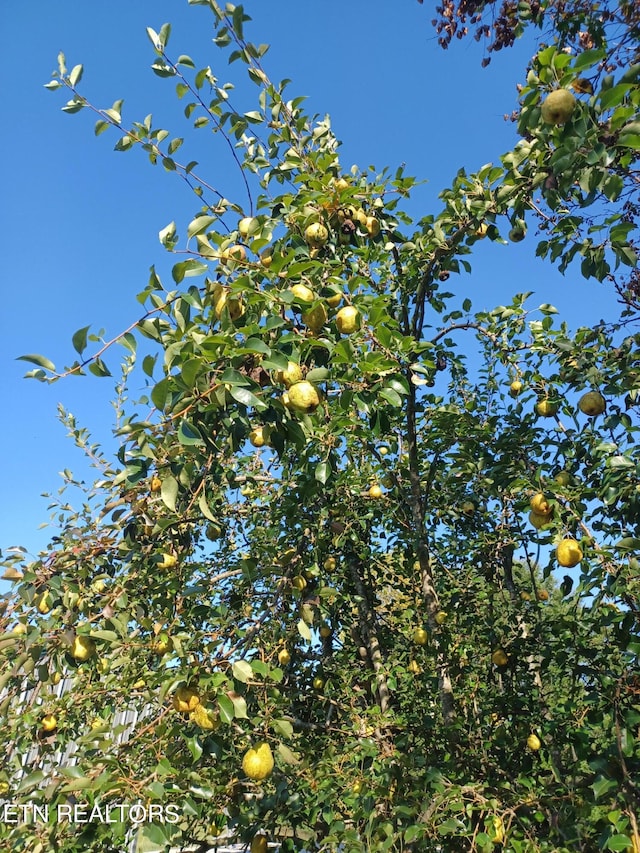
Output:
x=363 y=574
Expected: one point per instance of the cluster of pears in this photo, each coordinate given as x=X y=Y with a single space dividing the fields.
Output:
x=302 y=396
x=592 y=403
x=188 y=701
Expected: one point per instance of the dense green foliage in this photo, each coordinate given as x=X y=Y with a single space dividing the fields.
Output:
x=236 y=523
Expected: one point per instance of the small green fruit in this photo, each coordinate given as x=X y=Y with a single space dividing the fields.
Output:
x=558 y=107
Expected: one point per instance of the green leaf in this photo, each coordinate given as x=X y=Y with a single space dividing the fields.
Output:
x=413 y=832
x=227 y=711
x=115 y=112
x=189 y=434
x=33 y=780
x=392 y=397
x=79 y=339
x=322 y=472
x=169 y=492
x=282 y=727
x=629 y=543
x=164 y=34
x=602 y=786
x=194 y=746
x=73 y=106
x=238 y=17
x=153 y=37
x=99 y=368
x=257 y=346
x=613 y=97
x=187 y=269
x=77 y=785
x=162 y=69
x=318 y=374
x=242 y=671
x=303 y=630
x=244 y=396
x=587 y=59
x=199 y=224
x=618 y=842
x=287 y=755
x=76 y=75
x=168 y=236
x=40 y=360
x=239 y=706
x=204 y=507
x=160 y=393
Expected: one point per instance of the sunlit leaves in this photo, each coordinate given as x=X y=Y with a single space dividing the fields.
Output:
x=40 y=360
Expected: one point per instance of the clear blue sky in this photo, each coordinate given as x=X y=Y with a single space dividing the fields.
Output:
x=80 y=222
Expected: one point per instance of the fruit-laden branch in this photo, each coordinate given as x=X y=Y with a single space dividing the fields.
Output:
x=367 y=622
x=429 y=594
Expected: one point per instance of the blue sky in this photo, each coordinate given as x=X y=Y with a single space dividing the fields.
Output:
x=80 y=222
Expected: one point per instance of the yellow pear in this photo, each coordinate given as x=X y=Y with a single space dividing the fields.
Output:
x=248 y=226
x=162 y=644
x=205 y=718
x=185 y=699
x=334 y=299
x=302 y=293
x=290 y=375
x=348 y=319
x=304 y=397
x=43 y=602
x=284 y=657
x=233 y=254
x=316 y=317
x=547 y=408
x=259 y=844
x=569 y=553
x=538 y=521
x=316 y=235
x=497 y=827
x=257 y=762
x=540 y=505
x=420 y=637
x=82 y=647
x=49 y=723
x=533 y=742
x=373 y=226
x=259 y=436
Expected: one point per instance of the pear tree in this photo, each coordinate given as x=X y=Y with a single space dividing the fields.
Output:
x=309 y=601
